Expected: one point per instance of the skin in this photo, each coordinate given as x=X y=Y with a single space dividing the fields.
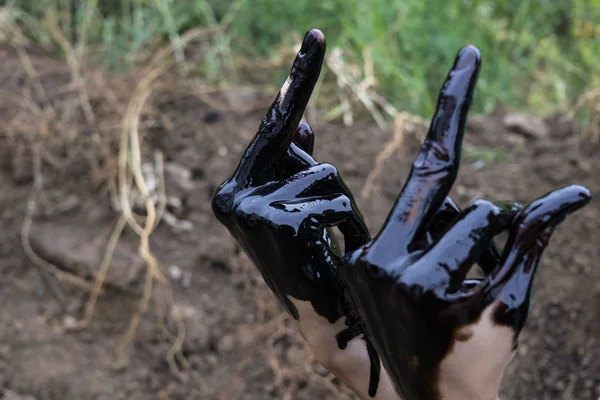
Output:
x=441 y=336
x=280 y=204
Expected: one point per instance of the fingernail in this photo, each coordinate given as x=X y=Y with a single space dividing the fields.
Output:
x=559 y=204
x=468 y=57
x=584 y=193
x=313 y=38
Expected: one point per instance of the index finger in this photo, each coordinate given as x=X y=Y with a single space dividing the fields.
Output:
x=436 y=166
x=279 y=125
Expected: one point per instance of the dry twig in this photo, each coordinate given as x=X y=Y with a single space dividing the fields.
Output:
x=590 y=99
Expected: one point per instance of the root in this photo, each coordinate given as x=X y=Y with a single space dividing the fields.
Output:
x=97 y=288
x=44 y=265
x=130 y=166
x=128 y=178
x=37 y=189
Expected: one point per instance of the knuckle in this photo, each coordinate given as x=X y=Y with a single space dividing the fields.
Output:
x=440 y=152
x=485 y=207
x=435 y=158
x=222 y=205
x=224 y=201
x=329 y=169
x=344 y=202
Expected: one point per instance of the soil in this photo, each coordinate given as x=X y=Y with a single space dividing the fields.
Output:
x=238 y=343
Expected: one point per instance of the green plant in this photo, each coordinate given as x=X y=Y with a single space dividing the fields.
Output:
x=539 y=55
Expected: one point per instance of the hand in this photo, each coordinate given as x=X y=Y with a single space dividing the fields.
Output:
x=441 y=336
x=280 y=205
x=279 y=202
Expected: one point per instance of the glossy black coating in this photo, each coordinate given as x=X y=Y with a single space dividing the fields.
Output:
x=409 y=286
x=280 y=205
x=445 y=215
x=279 y=201
x=528 y=237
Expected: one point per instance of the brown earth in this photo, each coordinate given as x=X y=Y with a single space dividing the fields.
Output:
x=237 y=342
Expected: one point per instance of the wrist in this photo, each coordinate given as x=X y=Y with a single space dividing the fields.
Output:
x=475 y=389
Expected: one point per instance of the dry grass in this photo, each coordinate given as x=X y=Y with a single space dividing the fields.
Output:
x=357 y=86
x=588 y=103
x=56 y=124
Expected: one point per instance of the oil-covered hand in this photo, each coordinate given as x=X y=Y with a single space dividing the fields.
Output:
x=441 y=336
x=280 y=205
x=279 y=201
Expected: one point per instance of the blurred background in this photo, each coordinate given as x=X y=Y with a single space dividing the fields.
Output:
x=119 y=119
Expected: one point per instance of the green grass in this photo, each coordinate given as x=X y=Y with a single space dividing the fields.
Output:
x=538 y=56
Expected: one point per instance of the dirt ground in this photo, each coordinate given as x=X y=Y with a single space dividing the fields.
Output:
x=238 y=344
